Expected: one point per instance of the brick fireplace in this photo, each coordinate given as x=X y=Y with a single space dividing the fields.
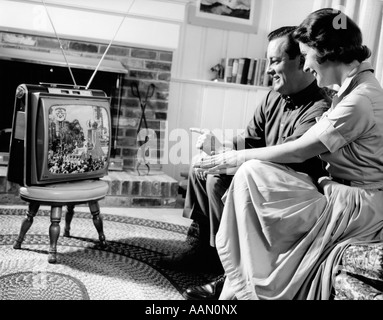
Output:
x=142 y=66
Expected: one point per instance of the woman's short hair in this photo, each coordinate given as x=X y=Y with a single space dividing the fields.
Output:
x=333 y=35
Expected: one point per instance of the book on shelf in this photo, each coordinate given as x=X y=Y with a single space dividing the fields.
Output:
x=255 y=69
x=262 y=72
x=250 y=73
x=229 y=69
x=241 y=64
x=235 y=70
x=256 y=73
x=245 y=70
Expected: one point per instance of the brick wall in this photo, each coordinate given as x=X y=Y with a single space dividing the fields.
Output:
x=145 y=66
x=126 y=189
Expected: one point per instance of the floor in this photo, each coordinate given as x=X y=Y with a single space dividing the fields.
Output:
x=168 y=215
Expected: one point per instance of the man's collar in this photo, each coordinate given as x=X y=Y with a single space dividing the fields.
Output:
x=294 y=101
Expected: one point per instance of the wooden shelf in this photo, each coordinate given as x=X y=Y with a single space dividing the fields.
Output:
x=219 y=84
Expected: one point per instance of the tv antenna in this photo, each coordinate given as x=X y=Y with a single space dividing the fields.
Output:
x=103 y=56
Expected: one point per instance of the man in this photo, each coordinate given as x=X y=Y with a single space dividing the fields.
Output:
x=285 y=114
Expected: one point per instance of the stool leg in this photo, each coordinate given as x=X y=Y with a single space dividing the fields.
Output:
x=68 y=220
x=54 y=232
x=97 y=221
x=33 y=207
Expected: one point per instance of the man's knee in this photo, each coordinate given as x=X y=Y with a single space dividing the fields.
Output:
x=212 y=182
x=216 y=186
x=192 y=174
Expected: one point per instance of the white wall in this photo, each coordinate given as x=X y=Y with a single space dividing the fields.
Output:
x=289 y=12
x=141 y=23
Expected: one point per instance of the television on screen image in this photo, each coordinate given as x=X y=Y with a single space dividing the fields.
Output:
x=59 y=134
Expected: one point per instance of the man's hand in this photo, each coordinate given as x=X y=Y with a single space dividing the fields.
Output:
x=201 y=174
x=207 y=141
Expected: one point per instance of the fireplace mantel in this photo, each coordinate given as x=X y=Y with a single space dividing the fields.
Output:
x=127 y=65
x=57 y=59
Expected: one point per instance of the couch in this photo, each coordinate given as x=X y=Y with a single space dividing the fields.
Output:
x=361 y=273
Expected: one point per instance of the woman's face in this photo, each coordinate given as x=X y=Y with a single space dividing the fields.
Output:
x=324 y=73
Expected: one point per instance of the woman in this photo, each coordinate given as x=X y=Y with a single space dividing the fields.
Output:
x=280 y=237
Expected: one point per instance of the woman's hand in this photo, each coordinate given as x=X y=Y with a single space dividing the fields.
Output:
x=226 y=162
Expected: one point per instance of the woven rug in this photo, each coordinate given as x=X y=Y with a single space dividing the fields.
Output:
x=126 y=269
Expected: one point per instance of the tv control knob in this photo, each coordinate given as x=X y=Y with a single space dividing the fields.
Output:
x=20 y=92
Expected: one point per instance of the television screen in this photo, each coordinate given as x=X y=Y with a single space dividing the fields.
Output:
x=59 y=135
x=78 y=139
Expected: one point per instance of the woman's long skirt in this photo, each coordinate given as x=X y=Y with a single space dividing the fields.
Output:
x=280 y=238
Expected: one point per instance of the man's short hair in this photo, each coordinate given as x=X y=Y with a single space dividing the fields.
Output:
x=292 y=48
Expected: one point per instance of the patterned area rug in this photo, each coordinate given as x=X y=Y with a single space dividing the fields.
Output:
x=127 y=269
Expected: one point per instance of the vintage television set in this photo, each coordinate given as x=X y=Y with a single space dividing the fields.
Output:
x=60 y=133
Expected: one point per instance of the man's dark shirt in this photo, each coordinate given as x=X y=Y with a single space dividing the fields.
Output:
x=280 y=119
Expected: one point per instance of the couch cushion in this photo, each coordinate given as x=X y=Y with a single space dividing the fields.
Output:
x=348 y=287
x=364 y=259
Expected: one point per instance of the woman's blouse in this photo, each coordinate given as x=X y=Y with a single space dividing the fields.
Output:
x=352 y=130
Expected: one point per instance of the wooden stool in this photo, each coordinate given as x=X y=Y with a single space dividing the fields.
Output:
x=56 y=196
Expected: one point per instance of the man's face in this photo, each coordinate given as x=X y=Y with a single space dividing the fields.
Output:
x=286 y=72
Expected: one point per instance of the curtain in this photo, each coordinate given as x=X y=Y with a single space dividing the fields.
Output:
x=368 y=14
